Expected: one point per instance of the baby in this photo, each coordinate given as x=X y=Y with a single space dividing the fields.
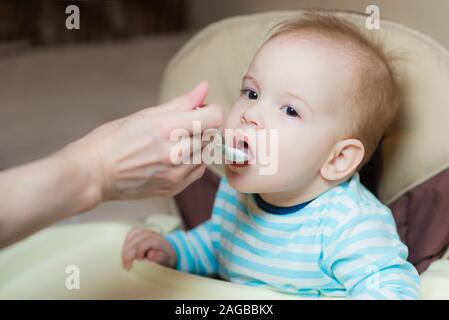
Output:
x=312 y=228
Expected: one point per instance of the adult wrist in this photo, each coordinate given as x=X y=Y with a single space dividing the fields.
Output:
x=83 y=174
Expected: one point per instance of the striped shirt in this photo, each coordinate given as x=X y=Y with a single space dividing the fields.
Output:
x=344 y=243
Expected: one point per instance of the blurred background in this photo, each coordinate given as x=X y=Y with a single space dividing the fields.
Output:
x=41 y=22
x=57 y=84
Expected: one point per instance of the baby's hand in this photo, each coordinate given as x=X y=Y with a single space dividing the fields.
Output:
x=141 y=243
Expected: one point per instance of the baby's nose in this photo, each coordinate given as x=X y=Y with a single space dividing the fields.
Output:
x=251 y=120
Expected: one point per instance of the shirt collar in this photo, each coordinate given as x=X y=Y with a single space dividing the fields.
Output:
x=267 y=207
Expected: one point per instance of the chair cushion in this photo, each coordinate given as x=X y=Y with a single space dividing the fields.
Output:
x=422 y=220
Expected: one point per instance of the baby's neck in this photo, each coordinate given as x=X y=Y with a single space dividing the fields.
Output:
x=298 y=195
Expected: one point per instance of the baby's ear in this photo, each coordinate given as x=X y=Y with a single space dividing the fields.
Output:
x=343 y=160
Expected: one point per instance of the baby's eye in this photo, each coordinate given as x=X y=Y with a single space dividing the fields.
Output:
x=290 y=111
x=250 y=94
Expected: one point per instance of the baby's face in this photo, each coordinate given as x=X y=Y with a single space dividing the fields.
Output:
x=297 y=87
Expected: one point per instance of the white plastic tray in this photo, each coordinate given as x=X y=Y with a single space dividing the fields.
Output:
x=36 y=269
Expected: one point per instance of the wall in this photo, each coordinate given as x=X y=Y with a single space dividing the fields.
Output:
x=428 y=17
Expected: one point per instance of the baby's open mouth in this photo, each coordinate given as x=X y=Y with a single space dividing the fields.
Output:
x=240 y=154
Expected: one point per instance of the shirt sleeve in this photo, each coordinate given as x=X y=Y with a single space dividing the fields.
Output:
x=197 y=249
x=367 y=257
x=194 y=249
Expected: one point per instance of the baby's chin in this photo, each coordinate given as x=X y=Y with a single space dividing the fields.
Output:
x=247 y=180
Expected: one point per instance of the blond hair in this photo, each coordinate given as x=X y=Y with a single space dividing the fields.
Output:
x=376 y=99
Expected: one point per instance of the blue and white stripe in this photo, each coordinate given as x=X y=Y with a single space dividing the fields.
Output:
x=344 y=243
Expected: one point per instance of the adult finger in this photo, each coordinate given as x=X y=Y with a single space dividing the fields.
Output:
x=191 y=99
x=187 y=151
x=211 y=116
x=192 y=176
x=186 y=102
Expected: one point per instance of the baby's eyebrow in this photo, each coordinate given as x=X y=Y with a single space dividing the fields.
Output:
x=249 y=77
x=294 y=95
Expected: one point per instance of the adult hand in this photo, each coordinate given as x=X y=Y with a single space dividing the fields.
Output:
x=130 y=158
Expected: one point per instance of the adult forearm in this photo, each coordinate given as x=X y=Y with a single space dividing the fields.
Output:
x=40 y=193
x=128 y=158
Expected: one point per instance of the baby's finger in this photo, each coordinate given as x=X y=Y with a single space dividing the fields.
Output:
x=130 y=252
x=132 y=233
x=157 y=256
x=126 y=260
x=141 y=244
x=152 y=243
x=138 y=238
x=125 y=253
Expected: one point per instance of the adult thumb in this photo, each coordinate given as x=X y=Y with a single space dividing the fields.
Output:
x=191 y=99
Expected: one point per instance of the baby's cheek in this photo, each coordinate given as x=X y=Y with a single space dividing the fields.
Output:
x=288 y=151
x=293 y=159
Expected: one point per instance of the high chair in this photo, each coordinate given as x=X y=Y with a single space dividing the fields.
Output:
x=415 y=148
